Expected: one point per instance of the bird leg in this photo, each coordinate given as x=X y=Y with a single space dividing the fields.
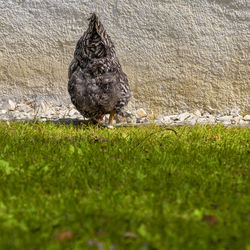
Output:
x=111 y=118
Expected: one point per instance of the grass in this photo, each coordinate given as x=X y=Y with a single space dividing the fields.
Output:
x=68 y=187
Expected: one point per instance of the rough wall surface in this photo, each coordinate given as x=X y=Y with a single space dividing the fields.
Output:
x=179 y=55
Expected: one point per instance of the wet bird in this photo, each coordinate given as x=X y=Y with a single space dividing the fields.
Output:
x=97 y=85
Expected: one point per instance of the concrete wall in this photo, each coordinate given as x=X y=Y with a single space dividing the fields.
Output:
x=179 y=55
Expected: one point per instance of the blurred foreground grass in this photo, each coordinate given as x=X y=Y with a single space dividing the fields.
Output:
x=69 y=187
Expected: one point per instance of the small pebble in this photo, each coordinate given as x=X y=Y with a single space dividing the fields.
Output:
x=174 y=117
x=73 y=112
x=224 y=118
x=12 y=105
x=246 y=118
x=197 y=113
x=141 y=113
x=184 y=116
x=4 y=111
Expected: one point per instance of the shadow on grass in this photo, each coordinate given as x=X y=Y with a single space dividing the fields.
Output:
x=91 y=123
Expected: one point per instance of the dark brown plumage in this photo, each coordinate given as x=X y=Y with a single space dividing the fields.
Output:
x=97 y=85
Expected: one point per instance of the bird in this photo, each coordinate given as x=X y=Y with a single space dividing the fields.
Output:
x=97 y=84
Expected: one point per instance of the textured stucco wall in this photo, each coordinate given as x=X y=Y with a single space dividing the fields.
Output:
x=179 y=55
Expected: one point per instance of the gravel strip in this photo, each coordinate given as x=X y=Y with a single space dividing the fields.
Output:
x=44 y=111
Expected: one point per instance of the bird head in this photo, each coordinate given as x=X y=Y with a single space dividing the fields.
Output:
x=93 y=17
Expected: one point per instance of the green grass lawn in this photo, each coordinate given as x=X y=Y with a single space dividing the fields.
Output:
x=71 y=187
